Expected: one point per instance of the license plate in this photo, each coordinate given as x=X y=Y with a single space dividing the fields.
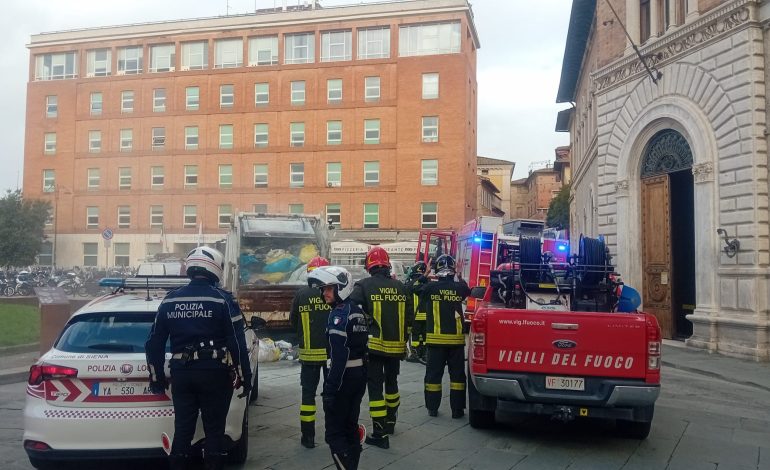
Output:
x=120 y=389
x=548 y=302
x=565 y=383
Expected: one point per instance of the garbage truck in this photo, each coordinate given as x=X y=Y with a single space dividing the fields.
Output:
x=266 y=258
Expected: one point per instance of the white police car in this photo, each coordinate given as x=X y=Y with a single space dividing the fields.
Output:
x=88 y=397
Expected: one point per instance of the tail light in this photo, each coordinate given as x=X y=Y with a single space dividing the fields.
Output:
x=479 y=336
x=653 y=349
x=36 y=445
x=41 y=372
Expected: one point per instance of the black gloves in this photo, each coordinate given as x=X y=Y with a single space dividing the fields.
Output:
x=246 y=389
x=158 y=387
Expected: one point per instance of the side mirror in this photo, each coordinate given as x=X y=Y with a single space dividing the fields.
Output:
x=478 y=292
x=257 y=323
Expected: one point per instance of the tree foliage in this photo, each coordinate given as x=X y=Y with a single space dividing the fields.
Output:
x=21 y=228
x=558 y=210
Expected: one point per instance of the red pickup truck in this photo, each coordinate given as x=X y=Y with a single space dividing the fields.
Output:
x=546 y=339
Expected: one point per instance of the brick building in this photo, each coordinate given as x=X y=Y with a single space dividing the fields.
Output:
x=488 y=200
x=499 y=172
x=364 y=113
x=531 y=196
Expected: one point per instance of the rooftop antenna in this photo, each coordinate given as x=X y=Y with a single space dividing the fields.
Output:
x=654 y=76
x=227 y=7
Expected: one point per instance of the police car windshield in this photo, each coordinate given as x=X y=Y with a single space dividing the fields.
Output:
x=107 y=333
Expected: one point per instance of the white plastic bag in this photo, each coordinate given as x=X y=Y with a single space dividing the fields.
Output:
x=268 y=351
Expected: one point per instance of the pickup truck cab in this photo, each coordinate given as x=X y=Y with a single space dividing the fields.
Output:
x=546 y=358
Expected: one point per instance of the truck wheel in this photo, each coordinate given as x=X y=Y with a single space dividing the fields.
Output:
x=634 y=429
x=240 y=451
x=481 y=419
x=477 y=417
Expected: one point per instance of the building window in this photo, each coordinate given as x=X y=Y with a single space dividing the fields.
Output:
x=371 y=215
x=127 y=101
x=56 y=66
x=162 y=58
x=130 y=60
x=297 y=134
x=157 y=177
x=159 y=100
x=333 y=174
x=645 y=19
x=195 y=55
x=90 y=254
x=299 y=48
x=225 y=215
x=298 y=92
x=429 y=173
x=124 y=217
x=260 y=208
x=191 y=138
x=333 y=214
x=333 y=132
x=374 y=43
x=261 y=94
x=226 y=136
x=336 y=46
x=94 y=178
x=334 y=90
x=260 y=175
x=430 y=128
x=263 y=50
x=122 y=251
x=96 y=104
x=192 y=98
x=226 y=96
x=126 y=140
x=50 y=143
x=99 y=63
x=296 y=208
x=372 y=89
x=156 y=216
x=94 y=141
x=92 y=217
x=49 y=181
x=45 y=257
x=124 y=178
x=429 y=39
x=228 y=53
x=190 y=176
x=429 y=86
x=261 y=132
x=297 y=175
x=225 y=176
x=371 y=173
x=51 y=106
x=372 y=131
x=158 y=138
x=190 y=216
x=429 y=215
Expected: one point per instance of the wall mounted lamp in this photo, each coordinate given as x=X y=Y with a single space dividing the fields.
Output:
x=731 y=247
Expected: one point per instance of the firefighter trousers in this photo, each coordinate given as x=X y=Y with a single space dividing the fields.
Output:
x=383 y=408
x=454 y=358
x=309 y=377
x=418 y=333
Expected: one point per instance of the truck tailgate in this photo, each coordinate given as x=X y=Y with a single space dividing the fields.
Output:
x=567 y=343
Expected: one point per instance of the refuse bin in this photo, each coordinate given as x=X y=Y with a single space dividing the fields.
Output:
x=54 y=313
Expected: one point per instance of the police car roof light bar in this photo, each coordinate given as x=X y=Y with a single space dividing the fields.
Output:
x=144 y=282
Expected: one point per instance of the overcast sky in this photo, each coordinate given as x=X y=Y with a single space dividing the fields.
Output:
x=522 y=45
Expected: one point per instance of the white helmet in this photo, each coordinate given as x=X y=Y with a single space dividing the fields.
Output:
x=206 y=261
x=332 y=276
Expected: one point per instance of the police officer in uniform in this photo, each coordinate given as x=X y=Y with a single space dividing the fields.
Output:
x=309 y=315
x=390 y=308
x=206 y=326
x=442 y=303
x=417 y=277
x=347 y=332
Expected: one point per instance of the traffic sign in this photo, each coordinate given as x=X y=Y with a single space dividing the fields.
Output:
x=107 y=233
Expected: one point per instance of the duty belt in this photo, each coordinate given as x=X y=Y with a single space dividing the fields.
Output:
x=350 y=363
x=205 y=353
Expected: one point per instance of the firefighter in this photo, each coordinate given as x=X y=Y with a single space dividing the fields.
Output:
x=416 y=278
x=347 y=332
x=205 y=326
x=309 y=314
x=389 y=308
x=442 y=303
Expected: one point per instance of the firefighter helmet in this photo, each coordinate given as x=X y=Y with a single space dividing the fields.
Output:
x=205 y=261
x=629 y=299
x=335 y=276
x=317 y=262
x=377 y=256
x=445 y=266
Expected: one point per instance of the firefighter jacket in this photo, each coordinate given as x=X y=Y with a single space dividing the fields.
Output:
x=442 y=302
x=201 y=320
x=390 y=308
x=309 y=315
x=413 y=286
x=347 y=332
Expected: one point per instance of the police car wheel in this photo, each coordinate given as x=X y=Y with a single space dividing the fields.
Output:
x=254 y=386
x=240 y=451
x=43 y=464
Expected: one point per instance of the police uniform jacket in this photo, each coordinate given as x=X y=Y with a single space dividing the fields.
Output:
x=347 y=332
x=309 y=316
x=442 y=303
x=390 y=307
x=203 y=318
x=413 y=286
